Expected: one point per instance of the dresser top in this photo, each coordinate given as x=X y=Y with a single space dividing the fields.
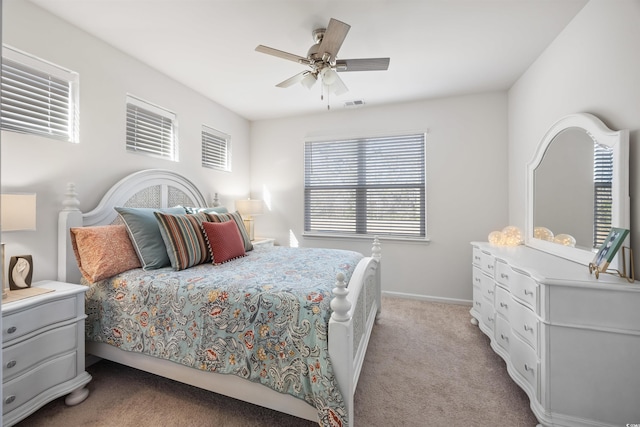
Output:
x=553 y=270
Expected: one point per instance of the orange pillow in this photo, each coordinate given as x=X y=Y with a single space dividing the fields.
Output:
x=225 y=241
x=103 y=251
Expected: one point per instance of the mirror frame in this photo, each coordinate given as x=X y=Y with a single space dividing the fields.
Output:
x=620 y=215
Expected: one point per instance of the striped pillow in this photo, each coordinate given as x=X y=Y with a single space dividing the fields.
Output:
x=182 y=235
x=237 y=218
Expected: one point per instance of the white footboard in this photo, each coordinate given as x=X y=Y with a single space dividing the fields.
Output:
x=355 y=309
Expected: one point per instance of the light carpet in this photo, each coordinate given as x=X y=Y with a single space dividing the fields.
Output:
x=426 y=366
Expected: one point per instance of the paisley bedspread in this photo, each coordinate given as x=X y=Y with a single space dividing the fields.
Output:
x=263 y=317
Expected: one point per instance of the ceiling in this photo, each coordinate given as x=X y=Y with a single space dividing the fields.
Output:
x=437 y=48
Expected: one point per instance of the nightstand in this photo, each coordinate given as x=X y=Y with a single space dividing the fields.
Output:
x=263 y=241
x=43 y=350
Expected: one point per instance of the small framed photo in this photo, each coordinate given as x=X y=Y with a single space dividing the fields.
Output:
x=20 y=272
x=609 y=248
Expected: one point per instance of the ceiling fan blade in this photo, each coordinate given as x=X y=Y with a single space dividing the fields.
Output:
x=338 y=87
x=293 y=80
x=333 y=37
x=281 y=54
x=364 y=64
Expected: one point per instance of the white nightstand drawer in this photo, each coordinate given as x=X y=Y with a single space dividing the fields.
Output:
x=21 y=323
x=25 y=387
x=24 y=355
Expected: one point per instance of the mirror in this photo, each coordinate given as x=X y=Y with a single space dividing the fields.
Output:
x=577 y=188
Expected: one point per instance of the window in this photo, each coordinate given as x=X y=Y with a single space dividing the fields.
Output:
x=151 y=130
x=38 y=97
x=602 y=178
x=366 y=186
x=216 y=149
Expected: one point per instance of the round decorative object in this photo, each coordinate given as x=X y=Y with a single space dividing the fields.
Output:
x=512 y=235
x=565 y=239
x=543 y=233
x=496 y=238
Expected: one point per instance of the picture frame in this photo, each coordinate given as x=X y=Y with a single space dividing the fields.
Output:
x=609 y=248
x=20 y=272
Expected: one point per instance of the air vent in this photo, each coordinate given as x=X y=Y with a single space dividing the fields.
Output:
x=354 y=104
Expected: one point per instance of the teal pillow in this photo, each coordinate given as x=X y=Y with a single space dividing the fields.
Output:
x=144 y=232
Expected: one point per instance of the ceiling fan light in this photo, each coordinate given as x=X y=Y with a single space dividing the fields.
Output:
x=309 y=80
x=329 y=76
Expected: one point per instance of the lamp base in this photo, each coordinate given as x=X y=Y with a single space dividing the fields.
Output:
x=248 y=224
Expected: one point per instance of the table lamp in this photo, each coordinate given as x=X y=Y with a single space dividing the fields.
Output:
x=248 y=208
x=17 y=213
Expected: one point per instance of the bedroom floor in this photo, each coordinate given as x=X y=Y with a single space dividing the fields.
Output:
x=426 y=366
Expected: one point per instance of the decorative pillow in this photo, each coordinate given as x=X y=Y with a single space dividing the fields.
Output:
x=237 y=218
x=103 y=251
x=217 y=209
x=144 y=232
x=183 y=239
x=225 y=241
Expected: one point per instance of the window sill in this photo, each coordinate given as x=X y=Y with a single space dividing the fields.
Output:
x=313 y=236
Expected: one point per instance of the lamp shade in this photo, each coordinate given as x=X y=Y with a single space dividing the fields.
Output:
x=250 y=207
x=18 y=212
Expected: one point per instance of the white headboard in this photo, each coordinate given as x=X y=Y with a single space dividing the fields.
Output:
x=151 y=188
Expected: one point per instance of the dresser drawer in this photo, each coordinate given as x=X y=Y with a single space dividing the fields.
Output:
x=502 y=301
x=488 y=314
x=525 y=323
x=502 y=332
x=24 y=355
x=521 y=286
x=477 y=256
x=21 y=323
x=524 y=360
x=477 y=300
x=485 y=283
x=25 y=387
x=487 y=263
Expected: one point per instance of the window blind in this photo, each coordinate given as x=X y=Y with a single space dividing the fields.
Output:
x=216 y=149
x=602 y=178
x=366 y=186
x=151 y=130
x=38 y=97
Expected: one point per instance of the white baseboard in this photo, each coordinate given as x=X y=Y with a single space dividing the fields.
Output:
x=427 y=298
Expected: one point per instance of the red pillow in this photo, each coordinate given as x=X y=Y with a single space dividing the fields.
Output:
x=225 y=241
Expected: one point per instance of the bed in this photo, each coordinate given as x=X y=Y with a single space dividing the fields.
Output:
x=308 y=369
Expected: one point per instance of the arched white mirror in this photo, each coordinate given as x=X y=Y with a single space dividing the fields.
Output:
x=577 y=188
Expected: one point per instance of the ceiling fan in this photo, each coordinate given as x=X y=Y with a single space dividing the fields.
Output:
x=322 y=60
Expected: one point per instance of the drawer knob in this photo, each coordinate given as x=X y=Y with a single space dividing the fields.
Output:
x=12 y=329
x=490 y=266
x=11 y=364
x=504 y=337
x=478 y=303
x=478 y=279
x=504 y=276
x=528 y=368
x=503 y=305
x=490 y=291
x=526 y=292
x=9 y=400
x=490 y=319
x=527 y=327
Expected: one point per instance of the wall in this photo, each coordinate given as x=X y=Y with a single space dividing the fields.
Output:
x=466 y=184
x=593 y=66
x=45 y=166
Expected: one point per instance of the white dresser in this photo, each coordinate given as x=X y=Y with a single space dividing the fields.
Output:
x=43 y=350
x=571 y=341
